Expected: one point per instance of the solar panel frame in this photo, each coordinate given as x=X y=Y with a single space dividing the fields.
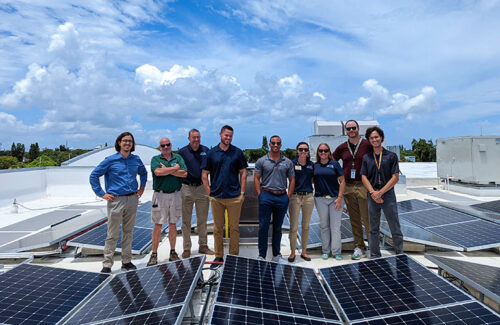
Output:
x=228 y=259
x=153 y=317
x=447 y=264
x=375 y=314
x=101 y=294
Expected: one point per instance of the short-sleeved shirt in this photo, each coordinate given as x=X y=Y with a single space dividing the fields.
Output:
x=342 y=152
x=169 y=183
x=193 y=160
x=303 y=176
x=224 y=168
x=326 y=178
x=388 y=167
x=274 y=174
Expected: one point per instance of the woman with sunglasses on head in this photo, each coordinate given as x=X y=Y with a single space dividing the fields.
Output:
x=329 y=185
x=302 y=199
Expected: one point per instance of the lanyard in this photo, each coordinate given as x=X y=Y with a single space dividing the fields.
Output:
x=378 y=164
x=355 y=150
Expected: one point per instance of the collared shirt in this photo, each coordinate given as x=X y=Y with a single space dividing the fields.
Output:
x=303 y=176
x=224 y=168
x=274 y=174
x=342 y=152
x=326 y=178
x=193 y=160
x=388 y=167
x=169 y=182
x=120 y=175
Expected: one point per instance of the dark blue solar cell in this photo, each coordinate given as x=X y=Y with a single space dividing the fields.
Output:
x=162 y=316
x=436 y=217
x=40 y=294
x=472 y=235
x=414 y=205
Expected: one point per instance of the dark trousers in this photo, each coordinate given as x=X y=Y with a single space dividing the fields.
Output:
x=390 y=208
x=275 y=205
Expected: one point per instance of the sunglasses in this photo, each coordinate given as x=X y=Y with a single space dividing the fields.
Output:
x=323 y=150
x=127 y=141
x=165 y=145
x=303 y=150
x=352 y=128
x=277 y=143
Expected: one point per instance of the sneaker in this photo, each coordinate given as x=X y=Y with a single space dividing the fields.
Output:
x=106 y=270
x=358 y=253
x=277 y=259
x=153 y=260
x=324 y=256
x=260 y=258
x=186 y=254
x=338 y=257
x=217 y=259
x=205 y=250
x=128 y=266
x=173 y=256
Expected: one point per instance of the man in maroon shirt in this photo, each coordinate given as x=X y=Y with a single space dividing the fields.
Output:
x=351 y=152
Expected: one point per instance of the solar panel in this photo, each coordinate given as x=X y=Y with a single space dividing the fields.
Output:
x=464 y=314
x=414 y=205
x=143 y=220
x=43 y=220
x=436 y=217
x=95 y=238
x=484 y=278
x=161 y=316
x=233 y=315
x=34 y=294
x=387 y=286
x=276 y=288
x=473 y=235
x=134 y=293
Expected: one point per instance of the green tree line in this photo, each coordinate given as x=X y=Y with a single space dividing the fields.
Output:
x=423 y=151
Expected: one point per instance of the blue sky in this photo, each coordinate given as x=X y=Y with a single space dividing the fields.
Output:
x=82 y=72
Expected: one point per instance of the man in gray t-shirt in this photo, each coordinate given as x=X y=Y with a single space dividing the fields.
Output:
x=270 y=181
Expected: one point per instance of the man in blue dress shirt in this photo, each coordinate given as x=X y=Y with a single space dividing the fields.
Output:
x=122 y=193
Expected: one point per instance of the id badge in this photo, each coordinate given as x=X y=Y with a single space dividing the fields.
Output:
x=298 y=167
x=353 y=173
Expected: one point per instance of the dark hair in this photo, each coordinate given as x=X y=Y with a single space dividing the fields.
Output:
x=119 y=139
x=226 y=127
x=274 y=136
x=330 y=157
x=301 y=142
x=374 y=128
x=308 y=157
x=192 y=130
x=345 y=124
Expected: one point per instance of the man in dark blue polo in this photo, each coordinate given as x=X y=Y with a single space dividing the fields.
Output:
x=193 y=193
x=226 y=166
x=270 y=181
x=122 y=193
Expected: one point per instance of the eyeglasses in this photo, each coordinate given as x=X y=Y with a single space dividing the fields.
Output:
x=277 y=143
x=165 y=145
x=352 y=128
x=303 y=150
x=323 y=150
x=127 y=141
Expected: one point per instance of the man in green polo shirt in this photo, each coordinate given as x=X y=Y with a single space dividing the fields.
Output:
x=168 y=169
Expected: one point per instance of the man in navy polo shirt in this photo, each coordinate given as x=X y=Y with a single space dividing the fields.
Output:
x=193 y=193
x=120 y=176
x=226 y=165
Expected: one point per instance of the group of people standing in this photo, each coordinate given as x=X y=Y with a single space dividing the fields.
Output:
x=181 y=180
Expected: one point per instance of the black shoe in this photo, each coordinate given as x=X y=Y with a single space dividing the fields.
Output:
x=106 y=270
x=217 y=259
x=128 y=267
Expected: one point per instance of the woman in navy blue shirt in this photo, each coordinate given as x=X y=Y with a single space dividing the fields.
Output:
x=302 y=199
x=329 y=185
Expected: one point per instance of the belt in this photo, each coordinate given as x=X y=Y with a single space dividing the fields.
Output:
x=166 y=192
x=275 y=192
x=352 y=182
x=302 y=193
x=129 y=194
x=192 y=183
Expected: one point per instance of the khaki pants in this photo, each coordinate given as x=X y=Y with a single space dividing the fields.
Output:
x=198 y=196
x=298 y=202
x=121 y=211
x=233 y=207
x=357 y=205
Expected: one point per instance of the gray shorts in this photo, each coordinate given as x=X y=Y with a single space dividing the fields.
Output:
x=170 y=205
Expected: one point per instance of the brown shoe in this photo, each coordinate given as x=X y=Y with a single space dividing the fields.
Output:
x=153 y=260
x=205 y=250
x=173 y=256
x=186 y=254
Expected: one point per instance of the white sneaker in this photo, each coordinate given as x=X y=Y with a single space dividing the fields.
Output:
x=358 y=253
x=278 y=259
x=260 y=258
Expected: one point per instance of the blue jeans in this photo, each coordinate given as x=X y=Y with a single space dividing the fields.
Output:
x=276 y=205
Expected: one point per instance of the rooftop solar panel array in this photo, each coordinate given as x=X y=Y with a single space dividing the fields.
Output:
x=474 y=235
x=414 y=205
x=143 y=294
x=387 y=287
x=492 y=206
x=484 y=278
x=267 y=287
x=34 y=294
x=436 y=217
